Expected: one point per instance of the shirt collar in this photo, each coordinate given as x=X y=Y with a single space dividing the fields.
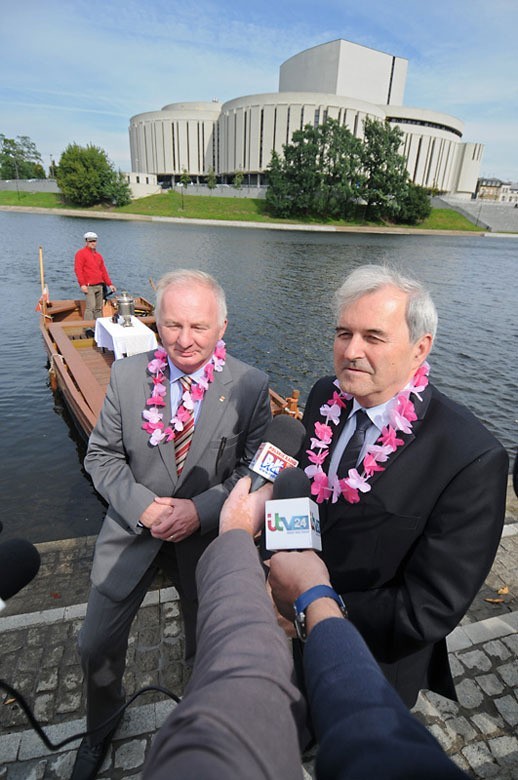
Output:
x=378 y=415
x=175 y=373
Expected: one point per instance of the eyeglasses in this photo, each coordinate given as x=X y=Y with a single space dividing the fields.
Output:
x=91 y=240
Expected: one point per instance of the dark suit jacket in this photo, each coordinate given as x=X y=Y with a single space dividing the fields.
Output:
x=411 y=555
x=363 y=728
x=128 y=472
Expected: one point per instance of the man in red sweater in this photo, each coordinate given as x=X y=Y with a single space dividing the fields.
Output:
x=92 y=274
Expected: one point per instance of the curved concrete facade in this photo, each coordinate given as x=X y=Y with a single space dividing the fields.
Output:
x=182 y=136
x=338 y=80
x=251 y=127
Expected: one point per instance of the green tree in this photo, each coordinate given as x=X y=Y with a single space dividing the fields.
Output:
x=238 y=179
x=211 y=179
x=414 y=205
x=19 y=158
x=319 y=174
x=185 y=180
x=86 y=177
x=278 y=195
x=385 y=177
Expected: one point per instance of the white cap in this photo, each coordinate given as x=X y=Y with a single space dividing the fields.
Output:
x=90 y=235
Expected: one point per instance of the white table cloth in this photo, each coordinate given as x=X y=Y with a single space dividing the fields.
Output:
x=124 y=341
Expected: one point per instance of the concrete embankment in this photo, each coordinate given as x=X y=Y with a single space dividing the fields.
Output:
x=38 y=656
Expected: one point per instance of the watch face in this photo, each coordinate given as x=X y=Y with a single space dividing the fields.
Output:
x=300 y=625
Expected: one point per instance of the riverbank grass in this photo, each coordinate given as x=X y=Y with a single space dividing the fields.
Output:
x=234 y=209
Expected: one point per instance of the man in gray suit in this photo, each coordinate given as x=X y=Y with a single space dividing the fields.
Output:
x=176 y=431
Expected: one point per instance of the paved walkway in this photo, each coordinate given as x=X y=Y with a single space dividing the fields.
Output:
x=38 y=656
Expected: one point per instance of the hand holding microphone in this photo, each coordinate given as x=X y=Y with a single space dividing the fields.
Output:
x=243 y=509
x=292 y=519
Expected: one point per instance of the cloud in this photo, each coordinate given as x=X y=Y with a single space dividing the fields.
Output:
x=84 y=68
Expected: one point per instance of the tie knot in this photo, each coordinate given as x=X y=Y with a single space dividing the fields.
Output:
x=363 y=421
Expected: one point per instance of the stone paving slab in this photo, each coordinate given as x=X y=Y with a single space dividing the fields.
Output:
x=38 y=630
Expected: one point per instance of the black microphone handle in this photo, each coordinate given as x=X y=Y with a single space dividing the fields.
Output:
x=257 y=481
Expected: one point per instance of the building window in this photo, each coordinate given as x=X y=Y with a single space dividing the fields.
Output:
x=261 y=135
x=417 y=159
x=288 y=126
x=245 y=123
x=316 y=119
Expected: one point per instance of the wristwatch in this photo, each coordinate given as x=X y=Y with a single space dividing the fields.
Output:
x=301 y=604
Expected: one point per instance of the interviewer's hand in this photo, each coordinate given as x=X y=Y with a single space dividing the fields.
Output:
x=244 y=510
x=292 y=573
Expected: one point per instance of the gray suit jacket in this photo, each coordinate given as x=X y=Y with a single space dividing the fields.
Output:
x=129 y=472
x=241 y=709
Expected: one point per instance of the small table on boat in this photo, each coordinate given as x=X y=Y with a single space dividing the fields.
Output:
x=124 y=341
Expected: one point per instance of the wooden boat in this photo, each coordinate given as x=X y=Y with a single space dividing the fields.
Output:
x=81 y=370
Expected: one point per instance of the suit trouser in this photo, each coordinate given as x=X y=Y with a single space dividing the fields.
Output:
x=94 y=302
x=103 y=643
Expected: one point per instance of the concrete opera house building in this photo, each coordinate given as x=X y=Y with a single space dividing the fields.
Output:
x=339 y=80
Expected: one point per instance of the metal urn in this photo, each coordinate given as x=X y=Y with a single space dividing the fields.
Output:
x=126 y=309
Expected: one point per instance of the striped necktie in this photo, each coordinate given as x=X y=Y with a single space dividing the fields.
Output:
x=354 y=446
x=183 y=439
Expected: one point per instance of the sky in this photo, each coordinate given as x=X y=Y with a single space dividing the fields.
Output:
x=75 y=71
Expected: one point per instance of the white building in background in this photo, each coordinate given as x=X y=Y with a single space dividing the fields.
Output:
x=339 y=80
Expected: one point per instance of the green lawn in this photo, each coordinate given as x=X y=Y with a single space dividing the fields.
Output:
x=238 y=209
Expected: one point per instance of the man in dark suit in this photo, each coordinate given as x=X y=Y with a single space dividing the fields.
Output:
x=241 y=713
x=176 y=431
x=412 y=487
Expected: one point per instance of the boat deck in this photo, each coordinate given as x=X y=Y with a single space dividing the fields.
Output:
x=98 y=360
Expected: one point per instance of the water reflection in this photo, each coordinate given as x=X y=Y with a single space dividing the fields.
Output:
x=279 y=286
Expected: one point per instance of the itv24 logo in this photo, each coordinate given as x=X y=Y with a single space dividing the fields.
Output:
x=278 y=522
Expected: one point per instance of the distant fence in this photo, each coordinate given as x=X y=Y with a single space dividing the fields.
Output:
x=221 y=190
x=29 y=185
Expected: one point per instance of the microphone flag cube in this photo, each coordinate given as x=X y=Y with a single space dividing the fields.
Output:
x=269 y=460
x=292 y=524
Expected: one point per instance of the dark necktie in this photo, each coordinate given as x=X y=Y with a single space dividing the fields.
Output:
x=354 y=446
x=182 y=441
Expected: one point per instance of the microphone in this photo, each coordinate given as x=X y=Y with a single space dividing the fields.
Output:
x=19 y=564
x=291 y=483
x=292 y=520
x=283 y=440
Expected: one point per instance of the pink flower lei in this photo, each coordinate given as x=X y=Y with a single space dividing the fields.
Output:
x=154 y=424
x=401 y=416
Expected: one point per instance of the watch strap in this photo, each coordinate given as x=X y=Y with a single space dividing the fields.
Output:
x=301 y=604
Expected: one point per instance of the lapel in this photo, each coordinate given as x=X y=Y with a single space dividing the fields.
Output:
x=213 y=408
x=165 y=451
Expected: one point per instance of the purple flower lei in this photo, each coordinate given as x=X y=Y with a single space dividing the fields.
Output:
x=402 y=415
x=154 y=424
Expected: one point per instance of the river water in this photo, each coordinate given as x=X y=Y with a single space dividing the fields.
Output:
x=279 y=285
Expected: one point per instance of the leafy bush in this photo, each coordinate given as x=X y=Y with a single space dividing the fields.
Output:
x=414 y=205
x=86 y=177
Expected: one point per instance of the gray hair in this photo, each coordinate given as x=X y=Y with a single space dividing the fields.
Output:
x=421 y=314
x=186 y=277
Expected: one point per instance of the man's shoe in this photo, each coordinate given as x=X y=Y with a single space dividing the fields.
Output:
x=89 y=758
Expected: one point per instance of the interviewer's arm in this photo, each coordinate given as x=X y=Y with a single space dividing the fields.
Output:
x=239 y=713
